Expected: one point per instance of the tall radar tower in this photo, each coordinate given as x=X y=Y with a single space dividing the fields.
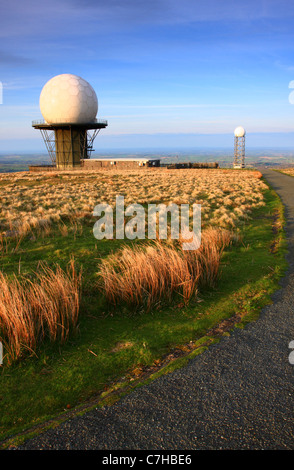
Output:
x=239 y=147
x=69 y=107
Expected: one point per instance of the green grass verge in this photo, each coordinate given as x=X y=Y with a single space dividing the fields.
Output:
x=114 y=352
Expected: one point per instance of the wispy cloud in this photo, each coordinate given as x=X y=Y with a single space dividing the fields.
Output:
x=175 y=106
x=12 y=60
x=187 y=11
x=24 y=83
x=282 y=66
x=34 y=18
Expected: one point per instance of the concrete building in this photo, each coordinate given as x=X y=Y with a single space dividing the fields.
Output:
x=119 y=163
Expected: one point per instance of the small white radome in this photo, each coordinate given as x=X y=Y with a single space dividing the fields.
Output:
x=67 y=98
x=239 y=132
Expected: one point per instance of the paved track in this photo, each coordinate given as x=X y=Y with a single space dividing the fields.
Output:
x=238 y=395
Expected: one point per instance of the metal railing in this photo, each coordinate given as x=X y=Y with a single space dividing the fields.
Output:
x=42 y=121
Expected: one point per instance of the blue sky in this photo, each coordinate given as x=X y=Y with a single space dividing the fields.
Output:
x=161 y=69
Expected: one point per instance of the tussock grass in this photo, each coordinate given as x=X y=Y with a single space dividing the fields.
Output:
x=31 y=311
x=29 y=200
x=146 y=274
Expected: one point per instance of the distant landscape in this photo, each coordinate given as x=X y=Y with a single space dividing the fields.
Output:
x=273 y=157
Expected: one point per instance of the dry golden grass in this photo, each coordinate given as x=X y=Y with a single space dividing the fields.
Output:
x=288 y=171
x=39 y=200
x=146 y=274
x=32 y=202
x=33 y=310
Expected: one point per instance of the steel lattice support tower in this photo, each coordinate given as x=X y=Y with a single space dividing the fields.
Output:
x=68 y=143
x=239 y=151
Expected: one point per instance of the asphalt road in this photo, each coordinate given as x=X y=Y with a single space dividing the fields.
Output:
x=238 y=395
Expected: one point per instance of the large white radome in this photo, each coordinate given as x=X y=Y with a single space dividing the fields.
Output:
x=239 y=132
x=68 y=98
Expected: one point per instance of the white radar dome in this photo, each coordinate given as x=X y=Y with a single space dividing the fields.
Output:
x=68 y=98
x=239 y=132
